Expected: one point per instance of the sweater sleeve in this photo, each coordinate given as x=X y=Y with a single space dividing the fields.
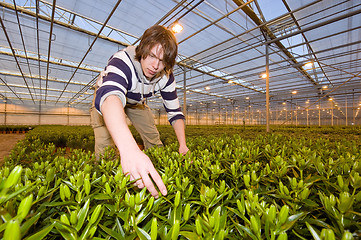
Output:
x=170 y=100
x=116 y=81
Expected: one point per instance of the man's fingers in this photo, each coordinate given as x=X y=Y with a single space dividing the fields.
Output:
x=149 y=185
x=158 y=180
x=138 y=180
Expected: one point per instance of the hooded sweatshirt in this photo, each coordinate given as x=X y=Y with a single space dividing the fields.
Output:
x=123 y=77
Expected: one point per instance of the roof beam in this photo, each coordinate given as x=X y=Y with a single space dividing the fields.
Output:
x=57 y=22
x=252 y=15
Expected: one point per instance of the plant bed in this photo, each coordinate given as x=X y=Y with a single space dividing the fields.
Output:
x=271 y=187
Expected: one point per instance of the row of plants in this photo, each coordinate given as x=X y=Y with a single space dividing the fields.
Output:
x=8 y=129
x=64 y=136
x=270 y=187
x=83 y=137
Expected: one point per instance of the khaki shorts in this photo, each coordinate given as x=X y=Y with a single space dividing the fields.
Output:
x=142 y=119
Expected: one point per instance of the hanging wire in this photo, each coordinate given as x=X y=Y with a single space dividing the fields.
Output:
x=14 y=54
x=38 y=46
x=101 y=29
x=49 y=48
x=11 y=89
x=23 y=42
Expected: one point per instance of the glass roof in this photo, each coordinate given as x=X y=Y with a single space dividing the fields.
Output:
x=52 y=54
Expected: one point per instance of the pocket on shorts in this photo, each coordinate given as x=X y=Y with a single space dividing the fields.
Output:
x=96 y=120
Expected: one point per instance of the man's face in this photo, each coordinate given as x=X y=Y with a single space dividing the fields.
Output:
x=153 y=63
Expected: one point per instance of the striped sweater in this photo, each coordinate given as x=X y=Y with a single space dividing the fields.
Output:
x=123 y=77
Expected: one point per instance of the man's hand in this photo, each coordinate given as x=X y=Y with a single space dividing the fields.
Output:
x=183 y=150
x=138 y=165
x=134 y=162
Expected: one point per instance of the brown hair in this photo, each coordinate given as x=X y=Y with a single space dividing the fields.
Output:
x=158 y=35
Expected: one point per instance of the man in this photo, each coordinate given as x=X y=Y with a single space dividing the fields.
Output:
x=132 y=75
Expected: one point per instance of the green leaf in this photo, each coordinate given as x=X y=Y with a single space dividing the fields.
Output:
x=291 y=221
x=86 y=233
x=27 y=225
x=95 y=214
x=41 y=234
x=56 y=204
x=241 y=228
x=12 y=231
x=82 y=215
x=14 y=194
x=143 y=235
x=111 y=232
x=24 y=207
x=189 y=235
x=142 y=215
x=13 y=177
x=66 y=231
x=313 y=232
x=119 y=225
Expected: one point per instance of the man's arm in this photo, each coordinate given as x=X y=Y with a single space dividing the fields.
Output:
x=179 y=129
x=134 y=162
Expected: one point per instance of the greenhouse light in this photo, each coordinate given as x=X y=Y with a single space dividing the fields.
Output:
x=177 y=28
x=207 y=88
x=264 y=75
x=330 y=99
x=294 y=92
x=308 y=64
x=247 y=98
x=324 y=87
x=230 y=81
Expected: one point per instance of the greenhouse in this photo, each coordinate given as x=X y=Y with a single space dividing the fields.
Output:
x=249 y=129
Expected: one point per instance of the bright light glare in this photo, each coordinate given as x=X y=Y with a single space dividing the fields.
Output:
x=294 y=92
x=176 y=28
x=207 y=88
x=308 y=64
x=264 y=75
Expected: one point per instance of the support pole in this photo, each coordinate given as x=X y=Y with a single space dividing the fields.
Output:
x=319 y=115
x=267 y=89
x=6 y=102
x=68 y=116
x=184 y=93
x=346 y=109
x=207 y=114
x=39 y=119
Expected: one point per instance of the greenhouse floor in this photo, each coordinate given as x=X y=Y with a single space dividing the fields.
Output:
x=7 y=142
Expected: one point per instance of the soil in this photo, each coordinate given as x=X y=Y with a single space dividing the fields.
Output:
x=8 y=142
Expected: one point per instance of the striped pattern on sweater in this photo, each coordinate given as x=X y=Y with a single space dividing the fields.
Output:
x=124 y=78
